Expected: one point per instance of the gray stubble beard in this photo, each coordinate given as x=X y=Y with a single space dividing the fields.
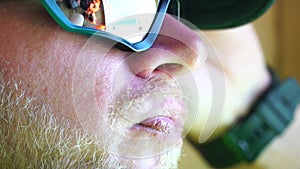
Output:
x=31 y=137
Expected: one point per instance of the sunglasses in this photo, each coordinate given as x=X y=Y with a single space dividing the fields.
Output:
x=133 y=24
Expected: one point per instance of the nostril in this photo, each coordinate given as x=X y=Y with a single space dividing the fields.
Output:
x=144 y=73
x=170 y=68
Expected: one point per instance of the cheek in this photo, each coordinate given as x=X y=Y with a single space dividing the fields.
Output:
x=52 y=83
x=111 y=73
x=93 y=88
x=46 y=78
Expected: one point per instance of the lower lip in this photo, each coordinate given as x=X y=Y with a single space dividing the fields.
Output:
x=141 y=131
x=155 y=126
x=146 y=142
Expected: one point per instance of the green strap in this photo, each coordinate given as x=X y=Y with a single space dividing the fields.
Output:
x=245 y=141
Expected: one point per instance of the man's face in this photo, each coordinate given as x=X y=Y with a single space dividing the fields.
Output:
x=132 y=105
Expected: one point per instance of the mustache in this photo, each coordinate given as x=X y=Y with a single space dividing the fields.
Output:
x=138 y=99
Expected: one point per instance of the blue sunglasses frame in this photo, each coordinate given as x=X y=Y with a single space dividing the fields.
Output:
x=57 y=14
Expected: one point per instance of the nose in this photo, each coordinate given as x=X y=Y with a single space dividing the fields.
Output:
x=176 y=50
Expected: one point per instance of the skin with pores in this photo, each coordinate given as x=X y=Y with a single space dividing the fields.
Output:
x=44 y=62
x=46 y=65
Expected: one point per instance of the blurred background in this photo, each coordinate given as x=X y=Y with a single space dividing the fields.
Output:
x=279 y=32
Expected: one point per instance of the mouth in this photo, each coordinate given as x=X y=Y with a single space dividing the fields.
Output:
x=158 y=124
x=164 y=120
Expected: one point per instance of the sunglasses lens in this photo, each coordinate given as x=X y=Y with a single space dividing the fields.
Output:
x=128 y=19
